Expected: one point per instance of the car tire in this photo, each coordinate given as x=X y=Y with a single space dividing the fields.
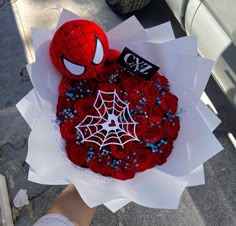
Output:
x=127 y=6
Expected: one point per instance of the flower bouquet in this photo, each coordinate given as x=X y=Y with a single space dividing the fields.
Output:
x=120 y=127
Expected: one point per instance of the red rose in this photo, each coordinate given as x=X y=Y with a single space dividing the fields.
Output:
x=64 y=103
x=133 y=100
x=113 y=56
x=84 y=106
x=160 y=81
x=132 y=84
x=164 y=152
x=103 y=76
x=145 y=159
x=164 y=83
x=155 y=77
x=99 y=167
x=77 y=153
x=75 y=88
x=113 y=72
x=109 y=87
x=68 y=130
x=150 y=92
x=88 y=85
x=120 y=152
x=169 y=102
x=154 y=113
x=141 y=127
x=123 y=174
x=64 y=86
x=99 y=161
x=123 y=75
x=153 y=134
x=61 y=105
x=171 y=128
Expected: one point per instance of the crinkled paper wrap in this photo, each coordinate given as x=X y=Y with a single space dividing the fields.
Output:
x=159 y=187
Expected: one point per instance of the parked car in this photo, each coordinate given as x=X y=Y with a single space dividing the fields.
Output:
x=214 y=23
x=127 y=6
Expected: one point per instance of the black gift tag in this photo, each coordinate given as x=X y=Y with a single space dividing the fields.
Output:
x=136 y=64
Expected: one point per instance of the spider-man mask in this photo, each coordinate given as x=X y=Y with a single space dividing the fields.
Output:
x=79 y=49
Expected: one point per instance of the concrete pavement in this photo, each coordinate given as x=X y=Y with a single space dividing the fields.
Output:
x=211 y=204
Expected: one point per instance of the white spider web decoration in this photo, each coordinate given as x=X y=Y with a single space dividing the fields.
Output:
x=113 y=125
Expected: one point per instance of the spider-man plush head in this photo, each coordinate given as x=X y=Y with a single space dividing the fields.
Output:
x=79 y=49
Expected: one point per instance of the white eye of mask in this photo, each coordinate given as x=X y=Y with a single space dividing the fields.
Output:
x=74 y=69
x=99 y=52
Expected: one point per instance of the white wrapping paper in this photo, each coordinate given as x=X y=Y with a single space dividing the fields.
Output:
x=159 y=187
